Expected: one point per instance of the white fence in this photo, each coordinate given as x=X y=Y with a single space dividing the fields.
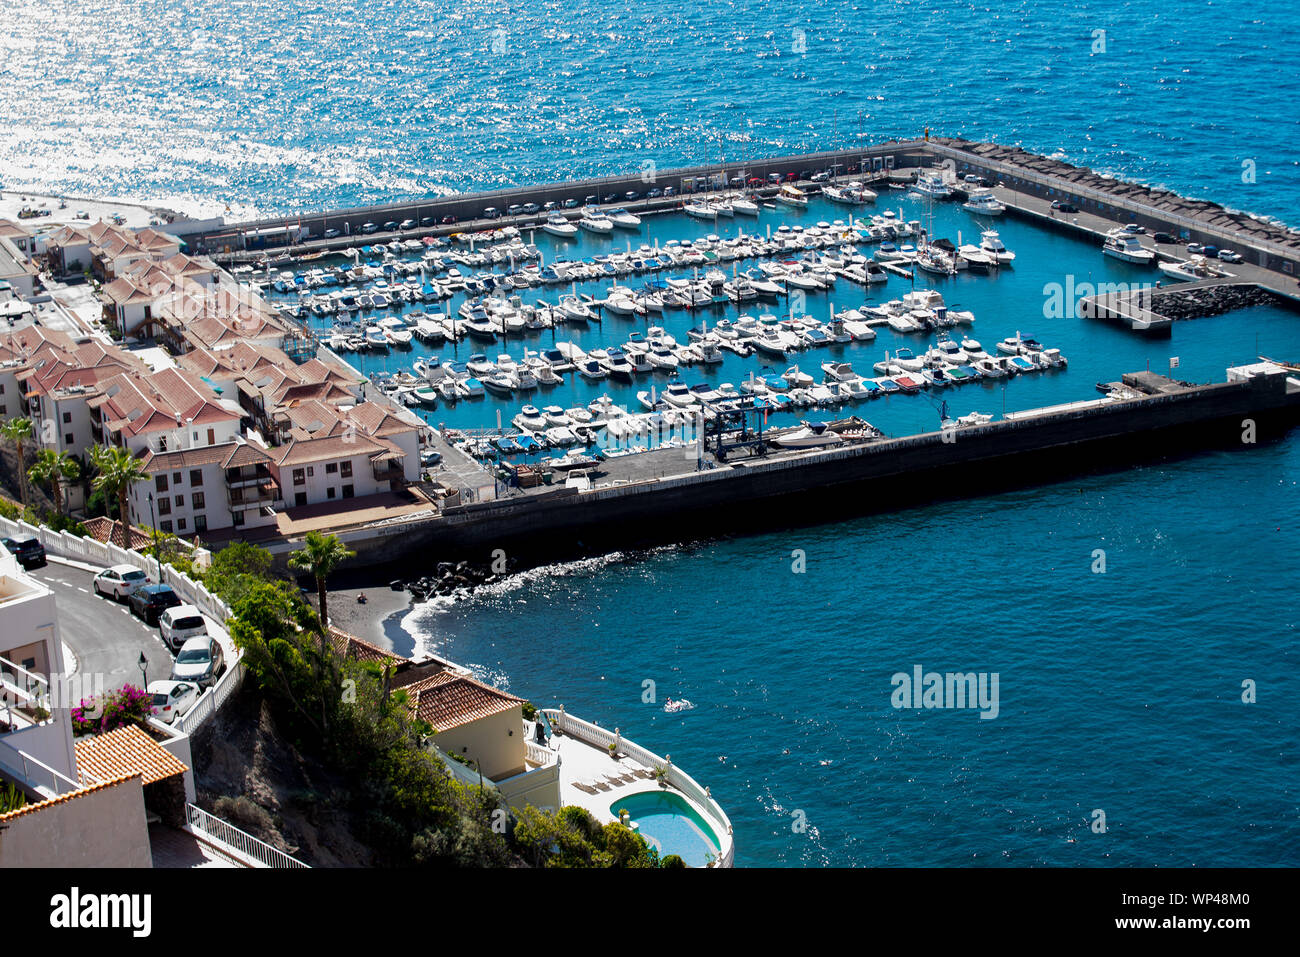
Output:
x=67 y=545
x=251 y=850
x=211 y=700
x=683 y=782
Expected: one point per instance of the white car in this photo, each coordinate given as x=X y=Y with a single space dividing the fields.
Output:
x=181 y=623
x=1228 y=256
x=119 y=581
x=172 y=698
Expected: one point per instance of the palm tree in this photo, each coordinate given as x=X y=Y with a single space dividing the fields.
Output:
x=118 y=471
x=17 y=430
x=53 y=469
x=320 y=556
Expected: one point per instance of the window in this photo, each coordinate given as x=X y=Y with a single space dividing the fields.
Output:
x=196 y=478
x=165 y=525
x=311 y=470
x=332 y=468
x=160 y=482
x=4 y=410
x=200 y=524
x=236 y=518
x=164 y=506
x=176 y=478
x=69 y=439
x=345 y=469
x=180 y=501
x=347 y=491
x=329 y=492
x=299 y=499
x=299 y=477
x=198 y=501
x=180 y=524
x=67 y=417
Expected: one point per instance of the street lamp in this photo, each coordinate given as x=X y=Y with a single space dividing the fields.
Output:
x=144 y=669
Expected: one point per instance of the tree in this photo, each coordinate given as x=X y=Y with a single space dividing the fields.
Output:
x=53 y=469
x=118 y=471
x=17 y=430
x=320 y=556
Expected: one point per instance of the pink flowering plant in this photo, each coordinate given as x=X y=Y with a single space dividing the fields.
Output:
x=116 y=709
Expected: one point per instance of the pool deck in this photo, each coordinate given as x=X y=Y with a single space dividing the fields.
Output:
x=582 y=763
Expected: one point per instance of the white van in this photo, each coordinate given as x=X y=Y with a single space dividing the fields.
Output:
x=181 y=623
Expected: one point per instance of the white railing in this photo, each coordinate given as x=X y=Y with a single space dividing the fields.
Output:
x=255 y=852
x=600 y=737
x=540 y=755
x=73 y=547
x=211 y=700
x=34 y=772
x=1119 y=202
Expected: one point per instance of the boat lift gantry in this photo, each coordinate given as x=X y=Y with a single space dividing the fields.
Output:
x=736 y=425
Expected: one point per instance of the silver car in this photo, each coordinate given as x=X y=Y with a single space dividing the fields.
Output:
x=200 y=660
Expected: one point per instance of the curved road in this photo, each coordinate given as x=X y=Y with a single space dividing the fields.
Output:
x=106 y=638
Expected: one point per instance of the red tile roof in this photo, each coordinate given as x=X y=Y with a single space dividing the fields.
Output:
x=448 y=700
x=126 y=751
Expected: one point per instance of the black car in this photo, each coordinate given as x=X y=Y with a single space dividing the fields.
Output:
x=390 y=226
x=1164 y=238
x=29 y=551
x=149 y=601
x=631 y=195
x=426 y=221
x=1062 y=207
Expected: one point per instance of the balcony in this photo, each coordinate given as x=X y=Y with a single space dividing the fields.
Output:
x=249 y=495
x=247 y=476
x=389 y=471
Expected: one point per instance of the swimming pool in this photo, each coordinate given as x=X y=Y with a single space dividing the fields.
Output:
x=670 y=825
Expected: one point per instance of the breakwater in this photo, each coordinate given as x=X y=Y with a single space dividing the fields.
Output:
x=881 y=474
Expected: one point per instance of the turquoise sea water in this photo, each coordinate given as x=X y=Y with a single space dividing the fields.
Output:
x=1119 y=692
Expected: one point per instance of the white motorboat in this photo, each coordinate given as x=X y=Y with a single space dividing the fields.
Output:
x=745 y=207
x=811 y=435
x=622 y=218
x=596 y=222
x=1190 y=270
x=991 y=243
x=679 y=394
x=561 y=436
x=982 y=202
x=558 y=225
x=796 y=379
x=838 y=372
x=1126 y=246
x=530 y=419
x=931 y=185
x=791 y=195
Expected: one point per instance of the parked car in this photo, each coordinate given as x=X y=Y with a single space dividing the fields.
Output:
x=171 y=699
x=390 y=226
x=611 y=198
x=331 y=234
x=181 y=623
x=590 y=200
x=1229 y=256
x=1195 y=248
x=821 y=176
x=369 y=228
x=1134 y=229
x=570 y=203
x=1210 y=252
x=549 y=205
x=514 y=209
x=653 y=193
x=530 y=208
x=1163 y=238
x=119 y=581
x=631 y=195
x=670 y=190
x=406 y=224
x=29 y=551
x=427 y=221
x=448 y=220
x=774 y=178
x=491 y=213
x=1063 y=207
x=200 y=660
x=149 y=601
x=737 y=181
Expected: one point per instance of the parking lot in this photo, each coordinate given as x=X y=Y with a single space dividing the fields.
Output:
x=104 y=636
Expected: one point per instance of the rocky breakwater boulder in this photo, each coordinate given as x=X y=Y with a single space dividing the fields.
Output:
x=450 y=579
x=1200 y=302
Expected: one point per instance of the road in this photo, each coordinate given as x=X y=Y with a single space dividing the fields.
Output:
x=106 y=638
